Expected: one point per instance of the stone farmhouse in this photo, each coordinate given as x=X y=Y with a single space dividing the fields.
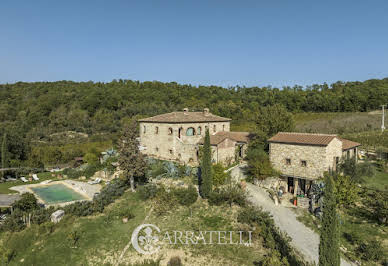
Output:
x=178 y=136
x=302 y=158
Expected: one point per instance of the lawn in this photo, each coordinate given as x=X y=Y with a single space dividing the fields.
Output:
x=4 y=187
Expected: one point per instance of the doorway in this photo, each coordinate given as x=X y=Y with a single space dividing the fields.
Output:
x=290 y=184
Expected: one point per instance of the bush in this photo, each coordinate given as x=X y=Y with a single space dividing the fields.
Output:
x=371 y=251
x=219 y=176
x=91 y=169
x=81 y=208
x=174 y=261
x=147 y=191
x=14 y=222
x=229 y=194
x=164 y=201
x=186 y=196
x=72 y=173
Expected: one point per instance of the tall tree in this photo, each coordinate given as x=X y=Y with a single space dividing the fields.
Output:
x=272 y=119
x=206 y=168
x=4 y=154
x=131 y=161
x=329 y=253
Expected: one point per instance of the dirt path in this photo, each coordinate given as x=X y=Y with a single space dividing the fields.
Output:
x=305 y=240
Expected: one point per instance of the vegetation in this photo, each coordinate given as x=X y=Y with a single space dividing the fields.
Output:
x=259 y=166
x=329 y=252
x=131 y=160
x=219 y=175
x=206 y=181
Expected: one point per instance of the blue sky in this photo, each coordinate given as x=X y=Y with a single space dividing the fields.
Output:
x=251 y=43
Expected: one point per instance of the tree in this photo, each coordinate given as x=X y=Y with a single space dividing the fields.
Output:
x=329 y=254
x=131 y=161
x=3 y=154
x=259 y=166
x=271 y=120
x=346 y=190
x=206 y=168
x=26 y=203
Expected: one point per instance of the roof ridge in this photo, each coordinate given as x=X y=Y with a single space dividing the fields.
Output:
x=304 y=133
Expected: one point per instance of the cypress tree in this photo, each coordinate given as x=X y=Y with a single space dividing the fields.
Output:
x=131 y=160
x=206 y=168
x=329 y=253
x=3 y=153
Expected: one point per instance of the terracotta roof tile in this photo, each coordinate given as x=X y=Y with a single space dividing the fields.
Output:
x=237 y=136
x=185 y=117
x=348 y=144
x=311 y=139
x=302 y=138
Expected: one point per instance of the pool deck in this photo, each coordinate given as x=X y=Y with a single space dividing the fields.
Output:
x=82 y=188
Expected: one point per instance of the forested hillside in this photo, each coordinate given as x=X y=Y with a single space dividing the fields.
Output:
x=31 y=112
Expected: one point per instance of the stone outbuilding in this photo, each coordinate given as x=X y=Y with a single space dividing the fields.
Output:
x=177 y=136
x=302 y=158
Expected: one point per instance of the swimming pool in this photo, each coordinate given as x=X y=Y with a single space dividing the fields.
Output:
x=57 y=193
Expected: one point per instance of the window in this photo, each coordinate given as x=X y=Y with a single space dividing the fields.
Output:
x=156 y=149
x=303 y=163
x=156 y=130
x=170 y=131
x=348 y=154
x=171 y=152
x=199 y=131
x=288 y=161
x=144 y=129
x=190 y=131
x=214 y=128
x=223 y=127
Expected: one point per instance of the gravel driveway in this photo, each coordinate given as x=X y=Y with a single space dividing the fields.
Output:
x=305 y=240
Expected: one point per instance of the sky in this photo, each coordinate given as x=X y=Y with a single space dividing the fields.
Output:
x=226 y=43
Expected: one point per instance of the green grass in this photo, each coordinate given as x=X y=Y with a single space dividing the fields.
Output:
x=377 y=182
x=104 y=236
x=4 y=187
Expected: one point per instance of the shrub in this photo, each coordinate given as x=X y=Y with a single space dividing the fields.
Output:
x=163 y=201
x=186 y=196
x=175 y=261
x=229 y=194
x=13 y=222
x=40 y=216
x=81 y=208
x=147 y=191
x=371 y=250
x=219 y=176
x=91 y=169
x=72 y=173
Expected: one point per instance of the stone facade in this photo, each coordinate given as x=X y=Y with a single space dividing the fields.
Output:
x=169 y=141
x=302 y=158
x=177 y=137
x=307 y=160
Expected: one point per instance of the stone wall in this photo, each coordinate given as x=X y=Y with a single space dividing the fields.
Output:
x=317 y=158
x=161 y=140
x=225 y=152
x=333 y=151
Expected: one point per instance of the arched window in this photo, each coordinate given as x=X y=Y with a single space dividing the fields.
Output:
x=156 y=130
x=144 y=129
x=223 y=127
x=190 y=131
x=199 y=131
x=170 y=131
x=214 y=128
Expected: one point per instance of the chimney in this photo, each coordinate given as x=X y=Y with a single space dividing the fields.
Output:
x=206 y=111
x=185 y=110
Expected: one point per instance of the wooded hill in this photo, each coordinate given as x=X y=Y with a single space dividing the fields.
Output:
x=34 y=111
